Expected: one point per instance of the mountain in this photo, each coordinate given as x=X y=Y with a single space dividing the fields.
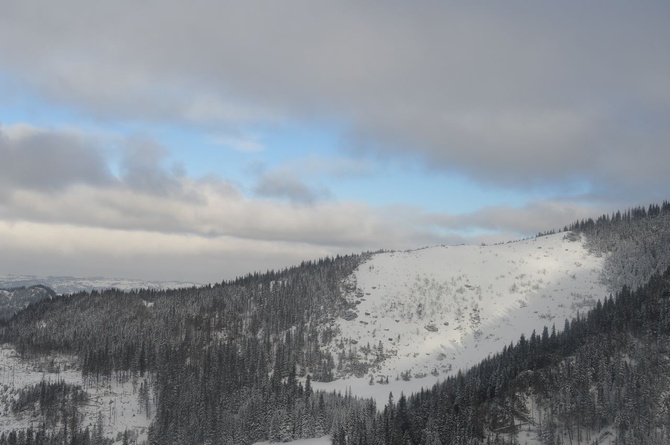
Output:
x=605 y=379
x=553 y=339
x=70 y=285
x=421 y=315
x=14 y=299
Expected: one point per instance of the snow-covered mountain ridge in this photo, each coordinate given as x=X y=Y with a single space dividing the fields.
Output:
x=68 y=285
x=14 y=299
x=421 y=315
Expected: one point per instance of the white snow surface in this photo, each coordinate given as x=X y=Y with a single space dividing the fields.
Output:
x=440 y=309
x=117 y=404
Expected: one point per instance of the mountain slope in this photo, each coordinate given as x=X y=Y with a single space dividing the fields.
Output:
x=433 y=311
x=427 y=313
x=222 y=358
x=14 y=299
x=242 y=361
x=603 y=380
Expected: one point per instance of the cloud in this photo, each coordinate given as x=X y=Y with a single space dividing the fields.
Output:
x=118 y=230
x=216 y=109
x=289 y=181
x=150 y=220
x=514 y=95
x=505 y=222
x=282 y=185
x=148 y=196
x=52 y=160
x=63 y=249
x=49 y=161
x=142 y=167
x=510 y=99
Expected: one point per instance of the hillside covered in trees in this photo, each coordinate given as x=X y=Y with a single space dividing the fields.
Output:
x=234 y=363
x=224 y=360
x=12 y=300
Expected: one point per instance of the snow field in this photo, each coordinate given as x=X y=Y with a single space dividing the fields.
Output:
x=437 y=310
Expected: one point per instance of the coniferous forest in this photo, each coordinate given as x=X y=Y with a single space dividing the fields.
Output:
x=233 y=363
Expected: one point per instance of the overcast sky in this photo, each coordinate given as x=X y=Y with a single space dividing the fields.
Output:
x=203 y=140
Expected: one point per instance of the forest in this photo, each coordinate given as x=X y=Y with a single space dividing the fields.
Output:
x=233 y=363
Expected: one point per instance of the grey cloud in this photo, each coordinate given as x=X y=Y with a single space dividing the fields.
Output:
x=512 y=94
x=528 y=220
x=285 y=185
x=149 y=196
x=142 y=168
x=49 y=160
x=214 y=262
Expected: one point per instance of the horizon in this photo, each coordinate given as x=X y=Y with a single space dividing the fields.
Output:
x=202 y=142
x=28 y=277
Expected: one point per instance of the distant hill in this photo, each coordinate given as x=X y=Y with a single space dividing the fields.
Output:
x=70 y=285
x=14 y=299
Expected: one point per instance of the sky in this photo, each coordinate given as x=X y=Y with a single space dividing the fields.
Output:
x=203 y=140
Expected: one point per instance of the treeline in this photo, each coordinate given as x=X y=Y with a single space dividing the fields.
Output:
x=14 y=299
x=40 y=436
x=115 y=331
x=232 y=396
x=606 y=372
x=224 y=359
x=635 y=243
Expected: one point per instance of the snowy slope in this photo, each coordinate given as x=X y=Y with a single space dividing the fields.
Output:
x=116 y=404
x=68 y=285
x=425 y=314
x=437 y=310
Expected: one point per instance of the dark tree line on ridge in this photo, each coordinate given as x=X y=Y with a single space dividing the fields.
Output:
x=635 y=241
x=225 y=360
